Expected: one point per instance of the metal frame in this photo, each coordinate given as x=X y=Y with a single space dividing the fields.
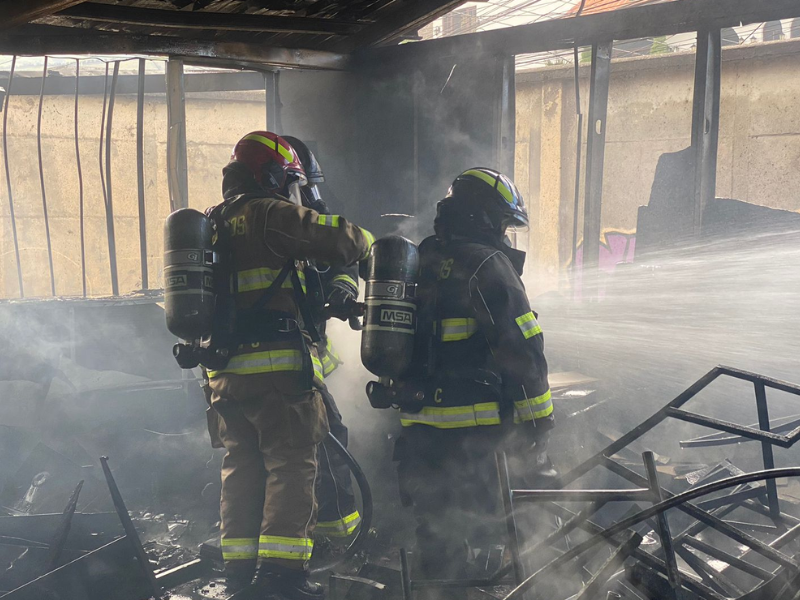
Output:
x=140 y=173
x=595 y=160
x=11 y=213
x=705 y=120
x=706 y=514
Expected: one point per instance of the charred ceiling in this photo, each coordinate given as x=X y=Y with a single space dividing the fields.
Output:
x=126 y=25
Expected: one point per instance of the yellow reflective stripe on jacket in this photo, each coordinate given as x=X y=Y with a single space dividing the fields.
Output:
x=454 y=330
x=239 y=548
x=263 y=277
x=454 y=417
x=319 y=372
x=533 y=408
x=495 y=182
x=528 y=325
x=330 y=358
x=281 y=149
x=370 y=240
x=346 y=279
x=340 y=527
x=329 y=220
x=274 y=546
x=271 y=361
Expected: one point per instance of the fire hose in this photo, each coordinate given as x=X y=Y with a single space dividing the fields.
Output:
x=366 y=509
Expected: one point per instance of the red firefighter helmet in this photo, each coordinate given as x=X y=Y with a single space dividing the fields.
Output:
x=271 y=159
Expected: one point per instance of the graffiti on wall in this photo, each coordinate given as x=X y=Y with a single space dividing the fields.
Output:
x=616 y=247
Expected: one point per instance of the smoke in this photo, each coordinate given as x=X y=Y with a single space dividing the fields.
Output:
x=648 y=330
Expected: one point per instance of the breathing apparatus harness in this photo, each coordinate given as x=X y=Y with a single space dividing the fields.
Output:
x=233 y=327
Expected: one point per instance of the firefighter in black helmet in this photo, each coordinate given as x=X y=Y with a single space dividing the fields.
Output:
x=480 y=364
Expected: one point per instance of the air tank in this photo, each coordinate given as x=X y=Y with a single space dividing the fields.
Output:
x=387 y=342
x=188 y=274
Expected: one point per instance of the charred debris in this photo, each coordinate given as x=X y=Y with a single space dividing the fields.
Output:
x=626 y=523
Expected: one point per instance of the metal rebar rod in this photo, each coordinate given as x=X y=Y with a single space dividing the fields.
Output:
x=704 y=421
x=405 y=575
x=80 y=177
x=637 y=431
x=611 y=566
x=713 y=520
x=508 y=513
x=675 y=501
x=622 y=495
x=8 y=177
x=766 y=449
x=41 y=181
x=112 y=240
x=140 y=172
x=642 y=556
x=781 y=425
x=726 y=557
x=102 y=140
x=130 y=531
x=60 y=537
x=578 y=151
x=709 y=576
x=664 y=533
x=735 y=498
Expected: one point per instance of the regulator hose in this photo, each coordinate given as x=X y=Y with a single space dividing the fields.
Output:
x=366 y=508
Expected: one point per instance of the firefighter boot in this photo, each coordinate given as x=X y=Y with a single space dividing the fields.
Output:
x=281 y=582
x=238 y=577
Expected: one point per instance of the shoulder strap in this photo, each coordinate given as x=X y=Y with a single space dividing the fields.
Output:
x=305 y=309
x=274 y=287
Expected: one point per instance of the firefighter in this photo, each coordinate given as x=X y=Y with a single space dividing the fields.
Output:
x=332 y=289
x=268 y=397
x=480 y=370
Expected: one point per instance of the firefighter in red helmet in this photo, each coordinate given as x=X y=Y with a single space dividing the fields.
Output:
x=271 y=414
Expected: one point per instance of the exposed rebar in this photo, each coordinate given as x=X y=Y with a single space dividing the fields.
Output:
x=41 y=181
x=140 y=173
x=80 y=177
x=112 y=240
x=8 y=177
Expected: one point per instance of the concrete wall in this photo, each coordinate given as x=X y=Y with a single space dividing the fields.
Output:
x=649 y=113
x=214 y=123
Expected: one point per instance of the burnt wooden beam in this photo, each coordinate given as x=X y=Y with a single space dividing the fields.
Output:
x=18 y=12
x=207 y=52
x=666 y=18
x=192 y=20
x=399 y=18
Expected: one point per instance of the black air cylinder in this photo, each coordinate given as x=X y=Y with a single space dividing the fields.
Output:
x=387 y=343
x=188 y=274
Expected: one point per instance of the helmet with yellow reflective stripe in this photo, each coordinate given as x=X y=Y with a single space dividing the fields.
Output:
x=494 y=193
x=271 y=159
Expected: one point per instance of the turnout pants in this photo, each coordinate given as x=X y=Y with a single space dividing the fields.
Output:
x=270 y=428
x=338 y=515
x=450 y=480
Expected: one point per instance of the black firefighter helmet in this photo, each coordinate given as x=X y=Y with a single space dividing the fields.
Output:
x=481 y=201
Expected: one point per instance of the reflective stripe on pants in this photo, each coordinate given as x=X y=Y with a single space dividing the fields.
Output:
x=239 y=548
x=273 y=546
x=454 y=417
x=341 y=527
